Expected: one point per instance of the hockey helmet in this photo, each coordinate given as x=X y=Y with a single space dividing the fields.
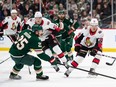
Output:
x=38 y=14
x=36 y=27
x=94 y=22
x=13 y=11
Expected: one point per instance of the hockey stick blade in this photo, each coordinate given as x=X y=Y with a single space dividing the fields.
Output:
x=110 y=64
x=95 y=72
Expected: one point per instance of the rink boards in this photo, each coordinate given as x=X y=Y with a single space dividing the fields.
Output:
x=109 y=41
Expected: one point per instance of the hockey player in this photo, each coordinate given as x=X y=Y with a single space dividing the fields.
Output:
x=67 y=34
x=48 y=39
x=23 y=22
x=90 y=39
x=19 y=52
x=10 y=26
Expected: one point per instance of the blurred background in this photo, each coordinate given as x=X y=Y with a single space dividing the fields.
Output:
x=81 y=10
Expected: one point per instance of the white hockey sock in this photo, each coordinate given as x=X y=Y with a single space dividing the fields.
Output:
x=48 y=52
x=78 y=59
x=59 y=52
x=57 y=49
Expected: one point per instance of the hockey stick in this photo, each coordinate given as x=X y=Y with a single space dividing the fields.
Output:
x=110 y=64
x=4 y=60
x=29 y=70
x=94 y=72
x=102 y=55
x=107 y=56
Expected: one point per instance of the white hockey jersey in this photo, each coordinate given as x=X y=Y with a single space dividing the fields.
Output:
x=89 y=40
x=46 y=24
x=11 y=26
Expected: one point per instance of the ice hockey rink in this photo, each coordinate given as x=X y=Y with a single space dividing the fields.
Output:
x=57 y=79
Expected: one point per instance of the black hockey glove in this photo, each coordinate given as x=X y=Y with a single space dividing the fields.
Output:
x=77 y=48
x=93 y=52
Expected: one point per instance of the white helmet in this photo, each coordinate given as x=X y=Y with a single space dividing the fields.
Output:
x=13 y=11
x=38 y=14
x=94 y=22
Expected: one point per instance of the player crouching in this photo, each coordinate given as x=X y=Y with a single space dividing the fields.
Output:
x=28 y=40
x=89 y=40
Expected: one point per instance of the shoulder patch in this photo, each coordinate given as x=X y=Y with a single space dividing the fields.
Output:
x=100 y=32
x=31 y=19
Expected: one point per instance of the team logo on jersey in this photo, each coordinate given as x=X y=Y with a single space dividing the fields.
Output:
x=88 y=42
x=13 y=26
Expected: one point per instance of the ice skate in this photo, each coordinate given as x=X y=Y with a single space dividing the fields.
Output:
x=67 y=73
x=92 y=73
x=56 y=68
x=14 y=76
x=43 y=77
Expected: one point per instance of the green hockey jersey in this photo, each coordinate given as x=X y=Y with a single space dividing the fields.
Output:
x=27 y=40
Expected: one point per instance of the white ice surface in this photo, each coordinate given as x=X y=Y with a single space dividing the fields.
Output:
x=57 y=79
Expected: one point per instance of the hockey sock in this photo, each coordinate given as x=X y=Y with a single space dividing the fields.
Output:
x=62 y=57
x=48 y=52
x=95 y=62
x=38 y=67
x=53 y=61
x=17 y=68
x=58 y=51
x=74 y=64
x=78 y=59
x=70 y=55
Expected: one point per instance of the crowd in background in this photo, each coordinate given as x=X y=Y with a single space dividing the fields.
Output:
x=80 y=8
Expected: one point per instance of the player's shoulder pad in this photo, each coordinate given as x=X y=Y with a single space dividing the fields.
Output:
x=7 y=18
x=18 y=18
x=46 y=20
x=100 y=30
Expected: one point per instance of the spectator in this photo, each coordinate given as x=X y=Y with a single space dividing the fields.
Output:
x=95 y=15
x=1 y=12
x=19 y=14
x=26 y=9
x=55 y=9
x=72 y=5
x=14 y=6
x=96 y=2
x=99 y=9
x=61 y=7
x=84 y=14
x=8 y=4
x=6 y=12
x=30 y=15
x=36 y=6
